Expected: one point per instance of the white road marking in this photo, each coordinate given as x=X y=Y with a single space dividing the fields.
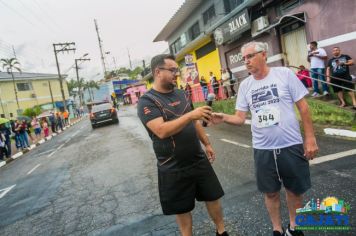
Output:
x=52 y=153
x=33 y=169
x=54 y=134
x=74 y=134
x=61 y=145
x=235 y=143
x=332 y=157
x=32 y=146
x=6 y=190
x=42 y=153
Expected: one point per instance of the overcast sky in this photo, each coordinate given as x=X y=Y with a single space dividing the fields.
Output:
x=32 y=26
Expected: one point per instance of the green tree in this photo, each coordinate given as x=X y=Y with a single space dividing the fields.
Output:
x=34 y=111
x=90 y=85
x=10 y=65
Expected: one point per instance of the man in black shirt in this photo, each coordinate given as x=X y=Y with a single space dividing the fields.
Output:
x=338 y=67
x=184 y=171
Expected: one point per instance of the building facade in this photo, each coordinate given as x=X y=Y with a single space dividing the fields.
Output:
x=288 y=27
x=207 y=35
x=188 y=34
x=32 y=89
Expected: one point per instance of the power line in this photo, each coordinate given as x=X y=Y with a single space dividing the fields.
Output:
x=22 y=16
x=36 y=16
x=39 y=6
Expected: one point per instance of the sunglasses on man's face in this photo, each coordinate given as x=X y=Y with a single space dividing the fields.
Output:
x=174 y=71
x=250 y=56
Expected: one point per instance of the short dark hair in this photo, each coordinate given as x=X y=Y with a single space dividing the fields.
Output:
x=336 y=47
x=158 y=61
x=314 y=43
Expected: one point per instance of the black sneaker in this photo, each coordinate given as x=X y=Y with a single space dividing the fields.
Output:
x=277 y=233
x=294 y=232
x=223 y=234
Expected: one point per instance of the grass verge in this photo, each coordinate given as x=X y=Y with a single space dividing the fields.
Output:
x=322 y=113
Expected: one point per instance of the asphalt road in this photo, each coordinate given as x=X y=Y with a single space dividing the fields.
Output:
x=103 y=182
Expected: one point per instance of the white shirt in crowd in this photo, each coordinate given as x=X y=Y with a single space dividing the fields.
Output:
x=317 y=62
x=271 y=102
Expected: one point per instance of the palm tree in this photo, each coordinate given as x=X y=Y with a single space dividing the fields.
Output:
x=10 y=65
x=93 y=85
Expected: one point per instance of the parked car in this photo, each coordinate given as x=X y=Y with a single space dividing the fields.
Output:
x=102 y=114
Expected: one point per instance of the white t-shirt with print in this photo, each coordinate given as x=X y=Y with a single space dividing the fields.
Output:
x=316 y=62
x=271 y=102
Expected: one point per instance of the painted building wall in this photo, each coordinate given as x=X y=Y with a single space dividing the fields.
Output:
x=39 y=95
x=133 y=92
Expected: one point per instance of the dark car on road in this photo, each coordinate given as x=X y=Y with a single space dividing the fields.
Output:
x=103 y=113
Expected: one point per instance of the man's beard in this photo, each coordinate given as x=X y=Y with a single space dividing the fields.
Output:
x=169 y=86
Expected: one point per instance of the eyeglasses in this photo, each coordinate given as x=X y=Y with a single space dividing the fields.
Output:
x=250 y=56
x=174 y=71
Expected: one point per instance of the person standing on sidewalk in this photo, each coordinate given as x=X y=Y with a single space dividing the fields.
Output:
x=37 y=127
x=317 y=57
x=5 y=129
x=233 y=80
x=184 y=170
x=280 y=158
x=338 y=67
x=52 y=120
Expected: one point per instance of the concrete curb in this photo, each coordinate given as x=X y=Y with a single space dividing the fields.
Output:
x=33 y=146
x=328 y=131
x=340 y=132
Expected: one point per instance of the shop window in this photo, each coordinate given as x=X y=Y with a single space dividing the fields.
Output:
x=209 y=15
x=206 y=49
x=2 y=115
x=194 y=31
x=176 y=46
x=11 y=114
x=230 y=5
x=24 y=86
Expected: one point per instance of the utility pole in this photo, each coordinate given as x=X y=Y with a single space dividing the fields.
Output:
x=114 y=60
x=128 y=53
x=101 y=48
x=144 y=67
x=50 y=91
x=13 y=50
x=79 y=84
x=62 y=47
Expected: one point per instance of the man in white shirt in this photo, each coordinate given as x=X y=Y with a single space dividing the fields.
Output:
x=280 y=157
x=317 y=57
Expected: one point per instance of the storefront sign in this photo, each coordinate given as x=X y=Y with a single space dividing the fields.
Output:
x=232 y=28
x=234 y=58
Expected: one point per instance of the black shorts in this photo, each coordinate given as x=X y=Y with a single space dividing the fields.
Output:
x=342 y=83
x=290 y=168
x=179 y=189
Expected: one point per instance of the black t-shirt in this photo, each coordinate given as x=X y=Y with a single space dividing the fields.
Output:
x=184 y=146
x=338 y=68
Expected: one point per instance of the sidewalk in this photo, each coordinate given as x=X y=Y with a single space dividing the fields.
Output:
x=33 y=144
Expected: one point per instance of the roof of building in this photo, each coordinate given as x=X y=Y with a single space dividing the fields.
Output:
x=4 y=76
x=177 y=19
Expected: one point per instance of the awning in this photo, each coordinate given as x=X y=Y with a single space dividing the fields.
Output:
x=297 y=16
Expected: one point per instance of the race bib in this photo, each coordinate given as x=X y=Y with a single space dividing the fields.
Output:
x=266 y=117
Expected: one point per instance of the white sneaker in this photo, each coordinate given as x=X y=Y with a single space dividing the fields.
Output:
x=325 y=93
x=315 y=94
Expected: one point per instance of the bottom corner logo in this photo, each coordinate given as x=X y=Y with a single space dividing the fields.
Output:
x=329 y=214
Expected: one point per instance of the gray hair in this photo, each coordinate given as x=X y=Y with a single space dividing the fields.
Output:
x=259 y=46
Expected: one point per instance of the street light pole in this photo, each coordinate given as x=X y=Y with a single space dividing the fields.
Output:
x=79 y=84
x=63 y=47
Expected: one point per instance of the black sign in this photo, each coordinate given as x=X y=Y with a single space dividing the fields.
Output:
x=232 y=28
